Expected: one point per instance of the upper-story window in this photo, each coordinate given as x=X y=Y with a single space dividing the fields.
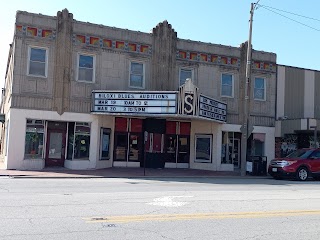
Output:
x=38 y=61
x=184 y=74
x=259 y=89
x=86 y=68
x=136 y=78
x=227 y=85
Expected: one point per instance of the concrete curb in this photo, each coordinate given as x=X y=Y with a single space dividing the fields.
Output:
x=131 y=177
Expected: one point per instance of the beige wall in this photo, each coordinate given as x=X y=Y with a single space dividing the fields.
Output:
x=206 y=128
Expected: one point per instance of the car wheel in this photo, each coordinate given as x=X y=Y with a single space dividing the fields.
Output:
x=302 y=174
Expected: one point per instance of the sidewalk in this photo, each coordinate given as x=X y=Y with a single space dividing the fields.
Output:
x=59 y=172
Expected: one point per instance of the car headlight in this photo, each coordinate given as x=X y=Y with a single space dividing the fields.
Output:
x=287 y=163
x=282 y=163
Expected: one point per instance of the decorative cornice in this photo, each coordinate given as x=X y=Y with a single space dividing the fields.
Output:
x=207 y=58
x=30 y=31
x=107 y=43
x=222 y=60
x=265 y=66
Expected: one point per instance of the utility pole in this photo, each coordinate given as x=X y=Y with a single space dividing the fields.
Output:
x=245 y=124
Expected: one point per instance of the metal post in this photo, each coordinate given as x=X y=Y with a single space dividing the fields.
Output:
x=245 y=123
x=145 y=139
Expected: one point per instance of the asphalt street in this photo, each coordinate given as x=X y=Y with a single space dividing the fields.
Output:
x=158 y=208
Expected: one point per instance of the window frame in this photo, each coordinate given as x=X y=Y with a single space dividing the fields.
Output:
x=46 y=61
x=187 y=69
x=232 y=90
x=93 y=68
x=264 y=88
x=143 y=74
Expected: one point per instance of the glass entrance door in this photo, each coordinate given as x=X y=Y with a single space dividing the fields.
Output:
x=55 y=150
x=135 y=145
x=154 y=143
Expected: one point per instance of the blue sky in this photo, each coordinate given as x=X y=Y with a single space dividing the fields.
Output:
x=220 y=22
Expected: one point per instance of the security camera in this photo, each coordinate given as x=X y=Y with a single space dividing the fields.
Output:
x=284 y=117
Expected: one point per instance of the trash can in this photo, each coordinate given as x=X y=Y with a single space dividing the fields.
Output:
x=257 y=165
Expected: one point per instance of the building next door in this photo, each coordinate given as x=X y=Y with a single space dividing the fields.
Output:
x=55 y=144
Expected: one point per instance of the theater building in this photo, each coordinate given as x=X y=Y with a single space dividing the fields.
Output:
x=87 y=96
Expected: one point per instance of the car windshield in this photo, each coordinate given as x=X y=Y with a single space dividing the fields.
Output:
x=300 y=153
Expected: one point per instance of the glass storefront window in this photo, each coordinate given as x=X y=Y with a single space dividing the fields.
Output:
x=34 y=139
x=231 y=148
x=203 y=148
x=82 y=141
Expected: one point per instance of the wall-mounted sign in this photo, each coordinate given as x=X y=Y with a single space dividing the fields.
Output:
x=213 y=109
x=135 y=102
x=188 y=108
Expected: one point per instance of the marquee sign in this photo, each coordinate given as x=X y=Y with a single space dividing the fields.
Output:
x=134 y=102
x=213 y=109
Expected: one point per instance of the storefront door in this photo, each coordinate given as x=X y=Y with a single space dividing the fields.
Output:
x=154 y=143
x=55 y=150
x=154 y=150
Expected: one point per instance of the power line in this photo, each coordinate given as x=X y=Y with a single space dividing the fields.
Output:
x=315 y=19
x=290 y=18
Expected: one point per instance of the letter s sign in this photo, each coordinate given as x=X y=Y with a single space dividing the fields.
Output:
x=188 y=104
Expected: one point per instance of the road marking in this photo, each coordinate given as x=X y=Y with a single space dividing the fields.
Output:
x=168 y=201
x=197 y=216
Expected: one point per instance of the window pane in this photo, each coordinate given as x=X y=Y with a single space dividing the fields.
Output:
x=259 y=83
x=203 y=151
x=38 y=55
x=55 y=146
x=226 y=91
x=137 y=68
x=85 y=74
x=184 y=146
x=33 y=145
x=259 y=94
x=184 y=74
x=136 y=80
x=121 y=141
x=82 y=128
x=82 y=145
x=226 y=79
x=86 y=61
x=34 y=139
x=37 y=68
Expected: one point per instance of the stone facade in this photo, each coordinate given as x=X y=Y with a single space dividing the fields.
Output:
x=59 y=97
x=162 y=52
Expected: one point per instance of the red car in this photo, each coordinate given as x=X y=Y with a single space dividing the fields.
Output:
x=300 y=164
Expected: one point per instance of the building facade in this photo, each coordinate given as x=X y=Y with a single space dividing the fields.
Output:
x=297 y=109
x=87 y=96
